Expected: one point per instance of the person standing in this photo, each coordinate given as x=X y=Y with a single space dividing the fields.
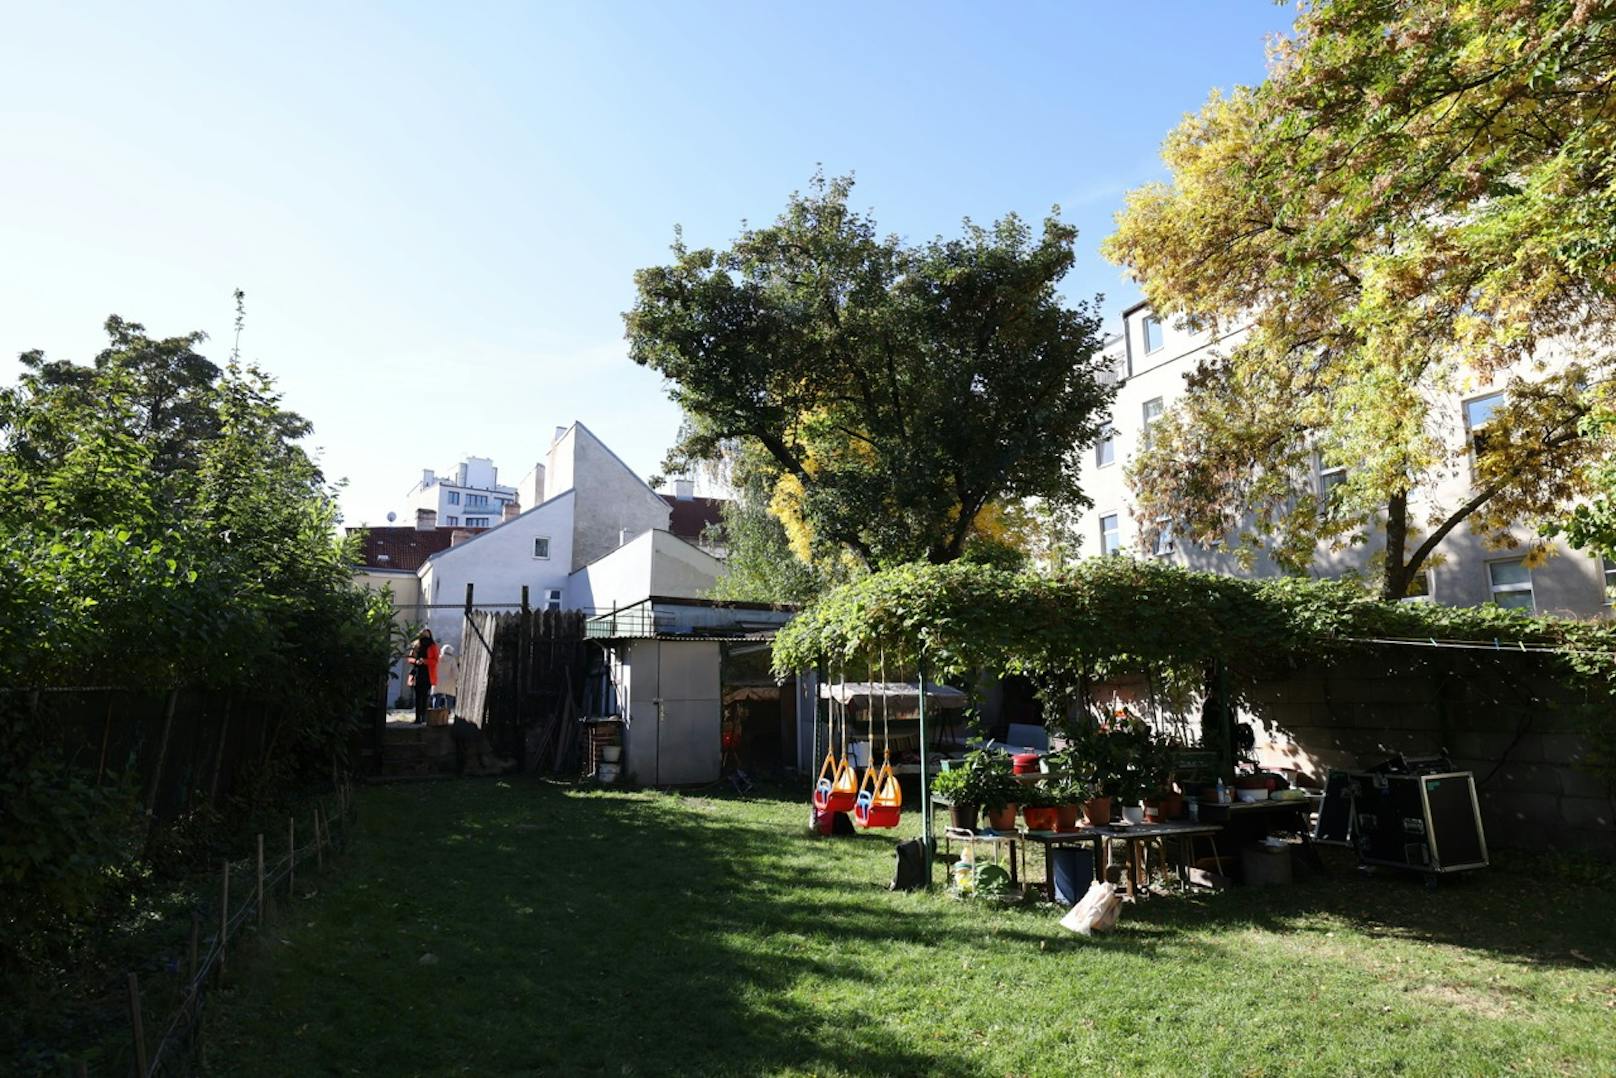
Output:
x=422 y=660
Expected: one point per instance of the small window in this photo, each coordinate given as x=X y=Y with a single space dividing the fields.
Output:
x=452 y=521
x=476 y=522
x=452 y=497
x=1511 y=584
x=1478 y=414
x=552 y=599
x=1153 y=334
x=1329 y=480
x=1164 y=537
x=1419 y=588
x=1110 y=536
x=1152 y=411
x=541 y=546
x=1105 y=451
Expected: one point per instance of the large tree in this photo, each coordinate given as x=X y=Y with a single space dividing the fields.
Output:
x=890 y=396
x=1417 y=201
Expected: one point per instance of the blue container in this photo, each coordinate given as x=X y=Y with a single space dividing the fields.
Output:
x=1073 y=868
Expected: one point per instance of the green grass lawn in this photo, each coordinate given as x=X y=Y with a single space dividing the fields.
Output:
x=583 y=932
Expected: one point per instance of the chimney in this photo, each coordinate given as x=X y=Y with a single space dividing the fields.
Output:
x=559 y=432
x=512 y=510
x=458 y=536
x=684 y=489
x=623 y=537
x=426 y=520
x=428 y=477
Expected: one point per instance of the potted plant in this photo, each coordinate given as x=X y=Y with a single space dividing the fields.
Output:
x=1038 y=808
x=1068 y=796
x=992 y=785
x=954 y=786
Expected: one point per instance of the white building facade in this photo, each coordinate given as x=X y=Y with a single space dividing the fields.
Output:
x=1151 y=358
x=469 y=496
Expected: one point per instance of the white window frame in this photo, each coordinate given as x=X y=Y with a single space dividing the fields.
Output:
x=476 y=501
x=1144 y=329
x=1164 y=531
x=545 y=539
x=1609 y=579
x=1146 y=420
x=1108 y=437
x=1495 y=589
x=552 y=599
x=451 y=497
x=1115 y=531
x=1471 y=430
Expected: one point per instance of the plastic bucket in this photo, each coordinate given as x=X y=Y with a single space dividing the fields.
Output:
x=1072 y=869
x=611 y=753
x=606 y=773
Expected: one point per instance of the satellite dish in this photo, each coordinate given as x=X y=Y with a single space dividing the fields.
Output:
x=391 y=517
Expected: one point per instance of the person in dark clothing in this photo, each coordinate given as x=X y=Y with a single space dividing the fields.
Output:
x=422 y=659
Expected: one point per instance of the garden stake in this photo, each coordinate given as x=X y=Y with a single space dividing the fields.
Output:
x=135 y=1024
x=319 y=853
x=260 y=897
x=224 y=915
x=291 y=856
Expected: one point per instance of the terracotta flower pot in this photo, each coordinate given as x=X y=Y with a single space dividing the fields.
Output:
x=1066 y=817
x=1003 y=819
x=1097 y=811
x=1172 y=807
x=964 y=815
x=1040 y=817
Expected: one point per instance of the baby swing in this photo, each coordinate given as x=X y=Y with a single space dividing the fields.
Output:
x=880 y=798
x=837 y=788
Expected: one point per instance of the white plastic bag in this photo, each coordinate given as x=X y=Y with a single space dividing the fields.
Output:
x=1097 y=912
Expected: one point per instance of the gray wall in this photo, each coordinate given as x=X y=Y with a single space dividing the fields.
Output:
x=610 y=500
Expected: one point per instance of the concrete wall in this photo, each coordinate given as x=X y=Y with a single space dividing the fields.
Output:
x=1570 y=583
x=406 y=590
x=497 y=563
x=1505 y=719
x=612 y=499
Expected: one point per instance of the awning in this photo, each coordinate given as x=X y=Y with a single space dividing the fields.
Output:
x=897 y=693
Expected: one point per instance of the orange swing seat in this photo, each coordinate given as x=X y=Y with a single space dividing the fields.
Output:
x=880 y=798
x=837 y=788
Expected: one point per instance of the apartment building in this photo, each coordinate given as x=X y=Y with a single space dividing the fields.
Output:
x=469 y=496
x=1150 y=359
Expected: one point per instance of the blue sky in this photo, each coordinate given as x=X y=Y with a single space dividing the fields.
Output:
x=436 y=210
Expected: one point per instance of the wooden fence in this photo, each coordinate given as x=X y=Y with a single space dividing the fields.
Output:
x=522 y=679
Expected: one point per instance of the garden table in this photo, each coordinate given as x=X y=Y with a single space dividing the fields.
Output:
x=1250 y=816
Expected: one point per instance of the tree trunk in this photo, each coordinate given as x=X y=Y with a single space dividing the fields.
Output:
x=1394 y=580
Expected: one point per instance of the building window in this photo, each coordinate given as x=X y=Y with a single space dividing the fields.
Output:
x=1110 y=537
x=1419 y=588
x=1479 y=413
x=1511 y=584
x=541 y=546
x=452 y=521
x=1105 y=451
x=1329 y=479
x=452 y=497
x=477 y=501
x=1164 y=537
x=552 y=599
x=1153 y=334
x=1152 y=412
x=476 y=522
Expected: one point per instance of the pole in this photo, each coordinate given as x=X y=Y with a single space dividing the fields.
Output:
x=291 y=856
x=259 y=900
x=927 y=839
x=137 y=1026
x=224 y=916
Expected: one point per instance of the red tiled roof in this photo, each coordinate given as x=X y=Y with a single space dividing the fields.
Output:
x=403 y=547
x=691 y=516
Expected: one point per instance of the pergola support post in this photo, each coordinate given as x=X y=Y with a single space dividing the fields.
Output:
x=927 y=838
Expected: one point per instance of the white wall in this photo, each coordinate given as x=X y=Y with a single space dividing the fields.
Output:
x=652 y=563
x=497 y=563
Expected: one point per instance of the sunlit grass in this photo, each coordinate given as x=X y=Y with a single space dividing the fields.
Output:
x=524 y=927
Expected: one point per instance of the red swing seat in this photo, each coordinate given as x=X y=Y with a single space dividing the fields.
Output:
x=880 y=798
x=837 y=789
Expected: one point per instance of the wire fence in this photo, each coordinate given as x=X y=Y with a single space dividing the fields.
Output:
x=248 y=890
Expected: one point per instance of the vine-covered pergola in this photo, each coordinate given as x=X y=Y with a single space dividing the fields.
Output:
x=1119 y=615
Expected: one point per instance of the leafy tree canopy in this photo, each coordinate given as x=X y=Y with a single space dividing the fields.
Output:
x=1416 y=202
x=888 y=397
